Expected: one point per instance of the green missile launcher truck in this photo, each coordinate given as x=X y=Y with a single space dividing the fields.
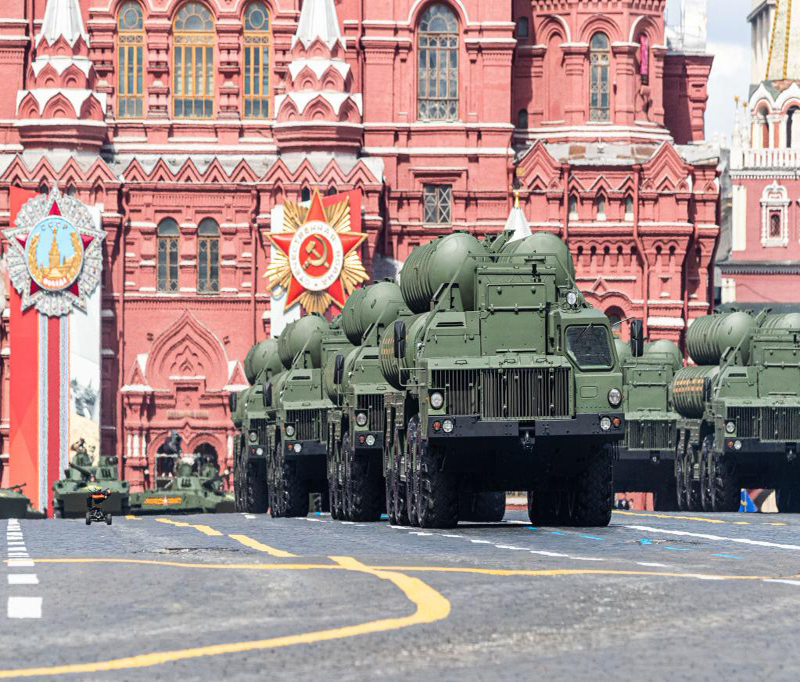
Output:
x=504 y=379
x=740 y=410
x=357 y=388
x=646 y=460
x=262 y=367
x=297 y=431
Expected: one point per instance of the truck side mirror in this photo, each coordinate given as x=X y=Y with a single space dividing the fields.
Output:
x=637 y=338
x=399 y=339
x=338 y=369
x=266 y=394
x=706 y=389
x=232 y=401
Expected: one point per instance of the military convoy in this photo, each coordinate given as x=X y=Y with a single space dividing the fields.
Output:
x=486 y=371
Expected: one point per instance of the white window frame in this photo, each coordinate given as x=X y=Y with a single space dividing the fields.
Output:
x=774 y=198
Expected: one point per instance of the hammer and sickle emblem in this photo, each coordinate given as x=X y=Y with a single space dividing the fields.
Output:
x=315 y=258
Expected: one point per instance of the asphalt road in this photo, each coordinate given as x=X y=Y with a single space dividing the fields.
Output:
x=653 y=596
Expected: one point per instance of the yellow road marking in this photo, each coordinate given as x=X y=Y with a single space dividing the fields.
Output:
x=207 y=530
x=742 y=523
x=255 y=544
x=775 y=523
x=430 y=606
x=671 y=516
x=131 y=517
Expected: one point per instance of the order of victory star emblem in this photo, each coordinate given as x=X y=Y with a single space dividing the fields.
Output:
x=55 y=254
x=316 y=259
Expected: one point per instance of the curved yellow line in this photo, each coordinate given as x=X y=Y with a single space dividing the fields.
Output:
x=430 y=607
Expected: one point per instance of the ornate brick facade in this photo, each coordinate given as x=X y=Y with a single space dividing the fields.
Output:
x=433 y=109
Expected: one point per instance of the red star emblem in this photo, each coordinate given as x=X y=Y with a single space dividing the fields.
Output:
x=85 y=239
x=316 y=254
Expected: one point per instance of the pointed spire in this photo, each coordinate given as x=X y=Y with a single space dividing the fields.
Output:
x=318 y=19
x=783 y=62
x=517 y=223
x=62 y=18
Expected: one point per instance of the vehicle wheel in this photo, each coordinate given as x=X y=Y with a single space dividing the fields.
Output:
x=594 y=491
x=705 y=482
x=290 y=492
x=788 y=498
x=680 y=484
x=411 y=463
x=108 y=519
x=482 y=507
x=364 y=484
x=692 y=489
x=238 y=487
x=543 y=503
x=88 y=518
x=436 y=490
x=398 y=514
x=726 y=492
x=254 y=494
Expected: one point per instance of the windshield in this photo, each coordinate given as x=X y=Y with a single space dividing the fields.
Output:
x=588 y=346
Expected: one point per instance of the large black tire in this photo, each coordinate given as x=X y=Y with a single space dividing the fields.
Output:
x=680 y=483
x=788 y=498
x=594 y=491
x=396 y=493
x=544 y=505
x=364 y=483
x=238 y=486
x=334 y=486
x=692 y=488
x=665 y=499
x=482 y=507
x=254 y=494
x=435 y=490
x=705 y=476
x=289 y=493
x=726 y=491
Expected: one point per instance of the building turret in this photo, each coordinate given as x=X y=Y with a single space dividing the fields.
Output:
x=319 y=106
x=61 y=108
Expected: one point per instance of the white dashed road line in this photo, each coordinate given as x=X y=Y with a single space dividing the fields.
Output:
x=18 y=557
x=717 y=538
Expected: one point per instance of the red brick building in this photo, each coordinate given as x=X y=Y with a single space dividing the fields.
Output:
x=188 y=121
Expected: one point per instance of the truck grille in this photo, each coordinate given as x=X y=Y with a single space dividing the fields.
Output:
x=306 y=423
x=524 y=393
x=767 y=423
x=373 y=405
x=650 y=435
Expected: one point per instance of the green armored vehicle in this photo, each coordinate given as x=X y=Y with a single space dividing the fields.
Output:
x=195 y=488
x=505 y=379
x=356 y=386
x=70 y=493
x=15 y=505
x=646 y=460
x=262 y=367
x=740 y=410
x=297 y=409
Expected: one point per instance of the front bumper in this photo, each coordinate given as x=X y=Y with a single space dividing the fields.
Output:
x=308 y=448
x=360 y=440
x=756 y=446
x=471 y=426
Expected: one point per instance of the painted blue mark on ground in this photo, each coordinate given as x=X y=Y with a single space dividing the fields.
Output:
x=591 y=537
x=556 y=532
x=678 y=549
x=727 y=556
x=384 y=517
x=531 y=528
x=645 y=541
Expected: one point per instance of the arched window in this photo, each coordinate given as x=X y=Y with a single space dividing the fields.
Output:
x=438 y=65
x=168 y=235
x=305 y=194
x=600 y=204
x=792 y=136
x=644 y=58
x=208 y=256
x=130 y=61
x=600 y=58
x=764 y=125
x=522 y=119
x=572 y=207
x=331 y=191
x=522 y=27
x=256 y=76
x=629 y=207
x=193 y=62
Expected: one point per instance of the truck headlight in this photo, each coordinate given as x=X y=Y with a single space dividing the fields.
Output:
x=370 y=440
x=605 y=423
x=361 y=418
x=447 y=426
x=614 y=397
x=298 y=448
x=437 y=400
x=290 y=430
x=572 y=299
x=730 y=427
x=253 y=436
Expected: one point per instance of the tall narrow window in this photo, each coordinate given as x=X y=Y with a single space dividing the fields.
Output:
x=256 y=76
x=193 y=62
x=629 y=207
x=572 y=207
x=600 y=59
x=438 y=201
x=644 y=58
x=522 y=119
x=792 y=121
x=208 y=256
x=130 y=58
x=601 y=207
x=438 y=65
x=168 y=235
